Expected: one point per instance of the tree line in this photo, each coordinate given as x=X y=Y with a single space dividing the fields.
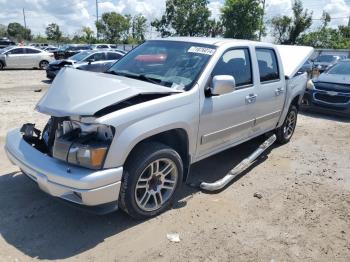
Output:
x=241 y=19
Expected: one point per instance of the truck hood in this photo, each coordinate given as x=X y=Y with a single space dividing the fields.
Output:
x=293 y=58
x=81 y=93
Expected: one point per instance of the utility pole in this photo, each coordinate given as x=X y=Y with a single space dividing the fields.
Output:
x=262 y=21
x=96 y=18
x=24 y=19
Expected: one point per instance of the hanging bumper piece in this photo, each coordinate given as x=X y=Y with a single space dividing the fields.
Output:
x=247 y=162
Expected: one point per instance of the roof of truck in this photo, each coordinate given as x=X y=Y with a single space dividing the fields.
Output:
x=214 y=41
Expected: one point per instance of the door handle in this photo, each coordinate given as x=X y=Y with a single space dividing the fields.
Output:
x=279 y=91
x=251 y=98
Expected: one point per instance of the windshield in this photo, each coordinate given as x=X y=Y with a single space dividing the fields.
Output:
x=342 y=68
x=3 y=50
x=80 y=56
x=168 y=63
x=325 y=58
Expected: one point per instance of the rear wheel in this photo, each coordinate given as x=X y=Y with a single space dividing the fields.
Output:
x=151 y=180
x=43 y=64
x=2 y=65
x=286 y=131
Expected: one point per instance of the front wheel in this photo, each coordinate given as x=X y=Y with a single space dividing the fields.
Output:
x=151 y=180
x=285 y=132
x=43 y=64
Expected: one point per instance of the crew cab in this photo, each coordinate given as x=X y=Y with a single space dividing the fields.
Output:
x=127 y=138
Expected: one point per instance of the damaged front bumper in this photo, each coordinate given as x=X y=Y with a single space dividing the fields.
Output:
x=75 y=184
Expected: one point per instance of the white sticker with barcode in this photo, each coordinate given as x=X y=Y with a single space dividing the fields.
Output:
x=201 y=50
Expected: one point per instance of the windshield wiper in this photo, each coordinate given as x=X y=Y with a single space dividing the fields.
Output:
x=135 y=76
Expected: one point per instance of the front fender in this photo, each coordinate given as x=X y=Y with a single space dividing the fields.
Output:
x=183 y=115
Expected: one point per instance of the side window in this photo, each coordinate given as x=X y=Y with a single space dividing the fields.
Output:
x=97 y=56
x=31 y=51
x=235 y=62
x=113 y=56
x=268 y=65
x=16 y=51
x=102 y=46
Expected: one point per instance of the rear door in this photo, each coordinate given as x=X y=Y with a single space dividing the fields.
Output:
x=14 y=58
x=270 y=91
x=227 y=119
x=31 y=57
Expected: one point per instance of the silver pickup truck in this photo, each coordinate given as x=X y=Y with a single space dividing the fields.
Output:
x=128 y=137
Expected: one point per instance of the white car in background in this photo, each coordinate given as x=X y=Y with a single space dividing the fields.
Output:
x=24 y=57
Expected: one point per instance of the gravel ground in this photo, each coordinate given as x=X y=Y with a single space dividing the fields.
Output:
x=303 y=213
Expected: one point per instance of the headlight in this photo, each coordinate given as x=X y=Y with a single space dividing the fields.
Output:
x=90 y=156
x=82 y=144
x=310 y=85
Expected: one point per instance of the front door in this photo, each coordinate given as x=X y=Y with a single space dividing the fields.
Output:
x=227 y=119
x=14 y=58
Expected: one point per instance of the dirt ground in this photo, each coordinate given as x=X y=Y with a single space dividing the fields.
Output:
x=303 y=215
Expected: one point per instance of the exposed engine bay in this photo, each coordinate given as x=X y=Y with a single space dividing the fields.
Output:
x=72 y=141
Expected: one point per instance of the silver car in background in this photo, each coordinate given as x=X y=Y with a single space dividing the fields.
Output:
x=24 y=57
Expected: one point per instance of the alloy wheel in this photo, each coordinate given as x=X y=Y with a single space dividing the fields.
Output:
x=290 y=124
x=156 y=184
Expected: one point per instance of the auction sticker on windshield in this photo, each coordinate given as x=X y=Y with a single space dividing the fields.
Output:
x=201 y=50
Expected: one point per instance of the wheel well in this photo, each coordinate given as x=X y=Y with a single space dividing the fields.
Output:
x=176 y=139
x=295 y=101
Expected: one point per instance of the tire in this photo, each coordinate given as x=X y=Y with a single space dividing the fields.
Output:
x=142 y=194
x=285 y=132
x=2 y=65
x=43 y=64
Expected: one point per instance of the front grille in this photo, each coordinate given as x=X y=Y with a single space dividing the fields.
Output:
x=332 y=99
x=344 y=88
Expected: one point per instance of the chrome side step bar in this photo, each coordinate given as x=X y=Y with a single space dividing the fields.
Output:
x=247 y=162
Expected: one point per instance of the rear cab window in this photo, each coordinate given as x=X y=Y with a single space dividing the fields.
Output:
x=268 y=65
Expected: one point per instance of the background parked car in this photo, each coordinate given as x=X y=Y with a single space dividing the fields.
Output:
x=323 y=62
x=331 y=90
x=5 y=42
x=97 y=61
x=67 y=51
x=50 y=49
x=24 y=57
x=106 y=46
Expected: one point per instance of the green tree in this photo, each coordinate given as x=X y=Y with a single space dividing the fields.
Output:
x=53 y=32
x=215 y=28
x=139 y=27
x=281 y=28
x=88 y=34
x=287 y=30
x=114 y=27
x=242 y=18
x=3 y=30
x=184 y=18
x=17 y=31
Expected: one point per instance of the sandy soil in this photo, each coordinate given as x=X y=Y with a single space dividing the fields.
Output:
x=303 y=215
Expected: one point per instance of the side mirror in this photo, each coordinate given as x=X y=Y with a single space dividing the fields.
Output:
x=222 y=84
x=90 y=60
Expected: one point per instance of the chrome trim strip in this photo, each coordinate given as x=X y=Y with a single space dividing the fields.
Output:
x=226 y=132
x=267 y=117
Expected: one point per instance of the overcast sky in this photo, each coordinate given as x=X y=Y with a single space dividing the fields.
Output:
x=71 y=15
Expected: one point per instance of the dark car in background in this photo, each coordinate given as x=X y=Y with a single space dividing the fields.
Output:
x=330 y=92
x=67 y=51
x=5 y=42
x=323 y=62
x=97 y=61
